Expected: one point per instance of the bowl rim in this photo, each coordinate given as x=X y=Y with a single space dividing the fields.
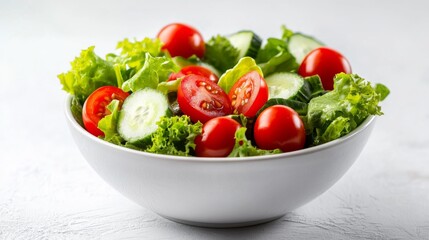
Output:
x=76 y=126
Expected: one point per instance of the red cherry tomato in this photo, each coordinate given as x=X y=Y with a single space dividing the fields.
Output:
x=94 y=108
x=279 y=127
x=202 y=99
x=218 y=137
x=197 y=70
x=324 y=62
x=182 y=40
x=249 y=94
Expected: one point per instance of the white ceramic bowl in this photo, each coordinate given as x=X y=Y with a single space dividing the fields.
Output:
x=221 y=192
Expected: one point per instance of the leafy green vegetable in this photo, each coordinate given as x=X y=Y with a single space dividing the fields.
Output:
x=273 y=47
x=286 y=33
x=244 y=148
x=340 y=111
x=183 y=62
x=109 y=123
x=175 y=136
x=76 y=110
x=88 y=73
x=382 y=90
x=169 y=86
x=220 y=53
x=133 y=54
x=230 y=77
x=154 y=71
x=275 y=57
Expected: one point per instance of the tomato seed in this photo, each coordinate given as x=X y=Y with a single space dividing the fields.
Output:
x=217 y=104
x=209 y=88
x=233 y=102
x=201 y=84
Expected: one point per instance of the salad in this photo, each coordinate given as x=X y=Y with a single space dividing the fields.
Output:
x=230 y=96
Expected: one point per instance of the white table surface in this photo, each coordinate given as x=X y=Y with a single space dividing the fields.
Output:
x=48 y=191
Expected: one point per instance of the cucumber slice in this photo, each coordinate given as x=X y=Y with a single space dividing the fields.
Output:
x=140 y=113
x=300 y=45
x=284 y=85
x=247 y=42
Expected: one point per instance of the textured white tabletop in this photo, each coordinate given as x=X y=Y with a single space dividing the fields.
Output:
x=48 y=191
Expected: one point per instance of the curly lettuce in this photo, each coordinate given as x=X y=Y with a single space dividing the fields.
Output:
x=244 y=148
x=133 y=53
x=341 y=110
x=220 y=53
x=175 y=136
x=154 y=71
x=88 y=73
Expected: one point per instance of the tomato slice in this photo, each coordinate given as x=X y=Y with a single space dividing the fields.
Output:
x=94 y=108
x=197 y=70
x=202 y=99
x=217 y=138
x=249 y=94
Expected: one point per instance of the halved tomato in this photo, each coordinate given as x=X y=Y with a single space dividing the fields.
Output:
x=249 y=94
x=94 y=108
x=202 y=99
x=194 y=69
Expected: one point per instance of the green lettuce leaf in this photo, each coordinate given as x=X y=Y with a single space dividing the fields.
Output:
x=286 y=33
x=108 y=124
x=244 y=148
x=175 y=136
x=220 y=53
x=341 y=110
x=169 y=86
x=230 y=77
x=382 y=90
x=275 y=57
x=88 y=73
x=76 y=110
x=154 y=71
x=133 y=53
x=132 y=56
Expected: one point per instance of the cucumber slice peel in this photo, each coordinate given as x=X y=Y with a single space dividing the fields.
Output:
x=300 y=45
x=247 y=42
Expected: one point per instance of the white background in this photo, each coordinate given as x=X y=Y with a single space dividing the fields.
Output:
x=47 y=190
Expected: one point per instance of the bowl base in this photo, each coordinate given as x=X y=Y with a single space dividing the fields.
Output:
x=222 y=225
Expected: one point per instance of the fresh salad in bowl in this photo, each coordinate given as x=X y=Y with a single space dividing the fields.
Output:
x=231 y=96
